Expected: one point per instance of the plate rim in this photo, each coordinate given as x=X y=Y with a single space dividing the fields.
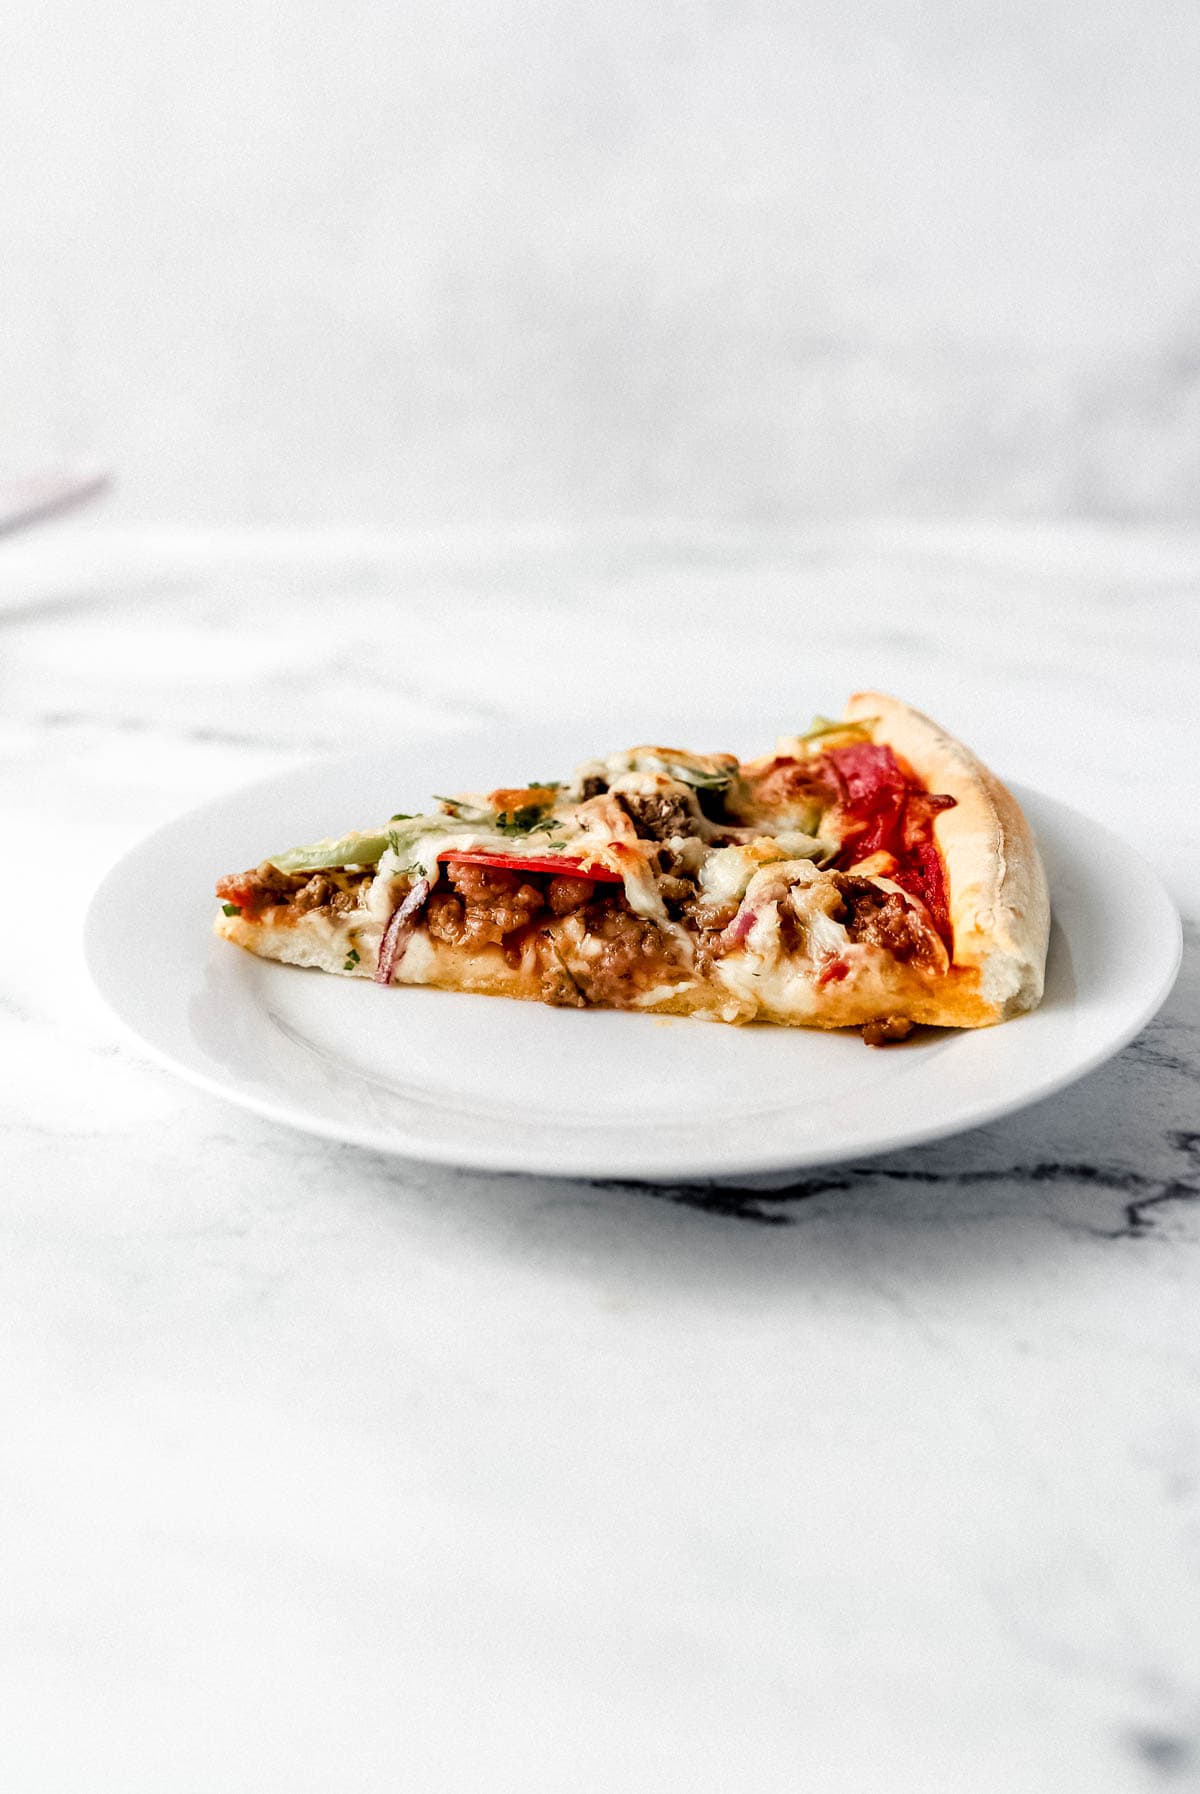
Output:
x=544 y=1159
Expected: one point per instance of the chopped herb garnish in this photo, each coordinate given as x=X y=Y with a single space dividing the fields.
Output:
x=232 y=909
x=399 y=845
x=403 y=816
x=528 y=820
x=352 y=959
x=545 y=784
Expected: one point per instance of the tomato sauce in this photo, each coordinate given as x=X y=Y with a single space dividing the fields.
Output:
x=888 y=810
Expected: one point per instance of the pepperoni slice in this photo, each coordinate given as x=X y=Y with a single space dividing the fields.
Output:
x=889 y=811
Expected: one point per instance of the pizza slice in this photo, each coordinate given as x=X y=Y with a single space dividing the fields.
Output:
x=869 y=873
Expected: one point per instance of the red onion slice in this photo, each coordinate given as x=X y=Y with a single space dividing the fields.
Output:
x=741 y=925
x=395 y=935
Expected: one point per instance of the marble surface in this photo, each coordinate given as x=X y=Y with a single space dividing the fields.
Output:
x=325 y=1471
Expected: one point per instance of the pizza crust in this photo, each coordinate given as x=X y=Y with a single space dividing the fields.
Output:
x=877 y=985
x=310 y=941
x=996 y=885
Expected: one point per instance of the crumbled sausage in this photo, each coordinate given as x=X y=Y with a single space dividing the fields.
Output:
x=257 y=889
x=490 y=905
x=886 y=1029
x=559 y=988
x=883 y=919
x=267 y=888
x=313 y=895
x=444 y=918
x=565 y=894
x=674 y=890
x=658 y=815
x=713 y=917
x=634 y=954
x=495 y=901
x=710 y=944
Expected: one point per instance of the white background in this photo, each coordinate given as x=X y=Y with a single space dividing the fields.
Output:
x=444 y=263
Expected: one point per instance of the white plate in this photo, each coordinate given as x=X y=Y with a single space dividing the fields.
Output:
x=512 y=1086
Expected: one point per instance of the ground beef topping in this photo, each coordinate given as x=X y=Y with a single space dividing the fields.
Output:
x=883 y=919
x=444 y=917
x=495 y=902
x=314 y=895
x=656 y=816
x=632 y=956
x=558 y=988
x=566 y=894
x=265 y=887
x=886 y=1029
x=257 y=889
x=489 y=905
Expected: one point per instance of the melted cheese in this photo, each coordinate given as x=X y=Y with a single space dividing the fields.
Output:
x=705 y=771
x=756 y=867
x=726 y=871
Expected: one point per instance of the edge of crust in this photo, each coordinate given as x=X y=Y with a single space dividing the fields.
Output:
x=868 y=995
x=999 y=900
x=309 y=942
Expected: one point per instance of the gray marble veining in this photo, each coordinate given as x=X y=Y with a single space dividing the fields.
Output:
x=324 y=1470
